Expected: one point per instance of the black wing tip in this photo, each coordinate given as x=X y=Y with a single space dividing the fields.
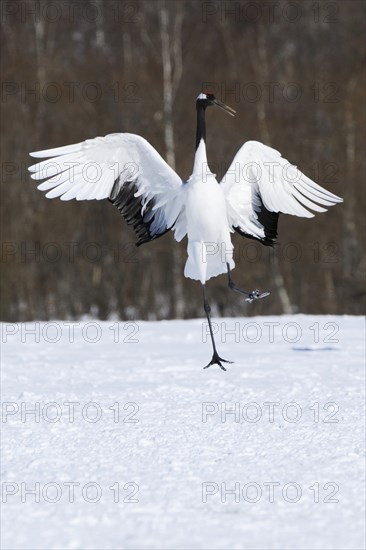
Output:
x=266 y=241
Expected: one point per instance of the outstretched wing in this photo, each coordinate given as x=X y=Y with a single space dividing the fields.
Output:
x=123 y=168
x=260 y=184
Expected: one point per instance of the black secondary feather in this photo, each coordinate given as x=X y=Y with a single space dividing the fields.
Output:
x=130 y=208
x=269 y=220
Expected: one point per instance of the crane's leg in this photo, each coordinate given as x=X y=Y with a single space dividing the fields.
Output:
x=254 y=295
x=216 y=359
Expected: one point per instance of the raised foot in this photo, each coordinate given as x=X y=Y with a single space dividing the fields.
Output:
x=216 y=360
x=256 y=295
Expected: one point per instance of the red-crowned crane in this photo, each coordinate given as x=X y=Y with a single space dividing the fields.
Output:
x=128 y=171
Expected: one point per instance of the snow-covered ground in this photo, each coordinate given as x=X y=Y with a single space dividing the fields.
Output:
x=131 y=444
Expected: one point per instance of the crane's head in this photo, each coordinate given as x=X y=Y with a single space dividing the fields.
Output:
x=206 y=100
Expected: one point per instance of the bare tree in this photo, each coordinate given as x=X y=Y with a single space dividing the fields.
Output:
x=171 y=55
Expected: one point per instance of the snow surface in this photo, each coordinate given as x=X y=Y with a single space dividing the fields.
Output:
x=170 y=455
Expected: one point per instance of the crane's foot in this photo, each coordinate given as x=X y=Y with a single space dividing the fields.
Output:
x=256 y=295
x=216 y=360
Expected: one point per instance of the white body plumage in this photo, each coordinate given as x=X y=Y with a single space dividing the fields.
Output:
x=208 y=231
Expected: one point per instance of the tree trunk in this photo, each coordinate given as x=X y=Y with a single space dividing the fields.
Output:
x=171 y=52
x=350 y=230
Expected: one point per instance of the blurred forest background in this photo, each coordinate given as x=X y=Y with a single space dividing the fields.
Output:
x=72 y=70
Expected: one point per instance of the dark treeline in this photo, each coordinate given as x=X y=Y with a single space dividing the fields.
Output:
x=74 y=70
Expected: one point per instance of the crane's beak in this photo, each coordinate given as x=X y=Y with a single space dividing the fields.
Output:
x=224 y=107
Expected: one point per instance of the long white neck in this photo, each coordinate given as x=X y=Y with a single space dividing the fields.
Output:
x=200 y=166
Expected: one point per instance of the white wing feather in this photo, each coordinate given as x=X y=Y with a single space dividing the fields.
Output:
x=260 y=173
x=89 y=170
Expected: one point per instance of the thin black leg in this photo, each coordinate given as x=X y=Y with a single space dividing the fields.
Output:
x=216 y=359
x=254 y=295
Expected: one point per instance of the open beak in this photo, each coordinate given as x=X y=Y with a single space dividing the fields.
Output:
x=224 y=107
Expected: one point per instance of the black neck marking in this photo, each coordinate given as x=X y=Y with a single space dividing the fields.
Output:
x=201 y=122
